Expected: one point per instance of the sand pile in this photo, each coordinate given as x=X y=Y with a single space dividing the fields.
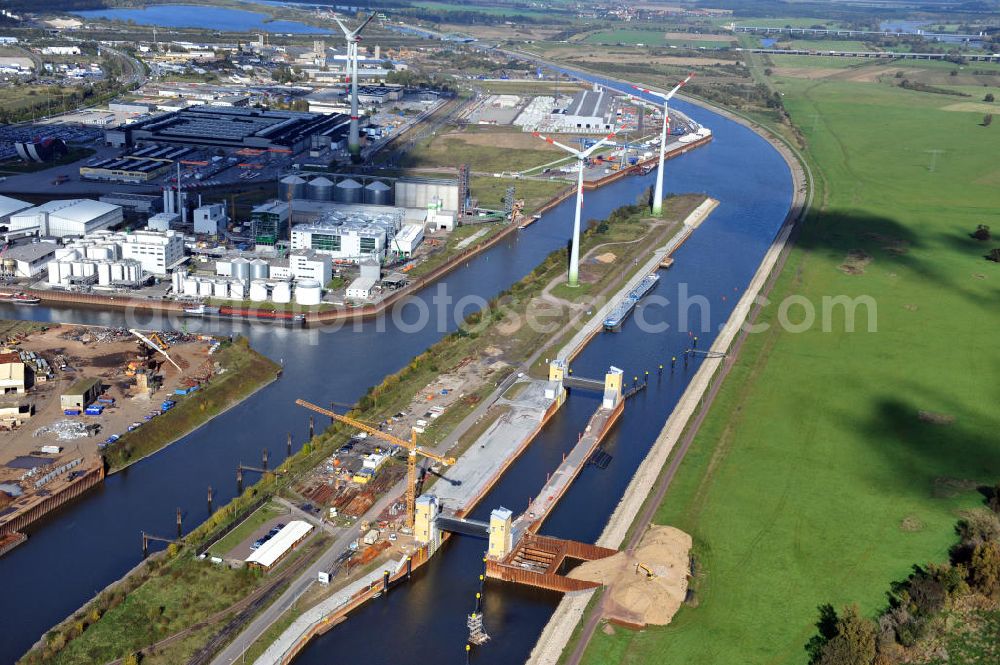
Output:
x=633 y=597
x=606 y=257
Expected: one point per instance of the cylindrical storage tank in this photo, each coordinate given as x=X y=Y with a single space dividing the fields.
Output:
x=240 y=268
x=237 y=290
x=89 y=269
x=291 y=185
x=65 y=270
x=348 y=191
x=205 y=287
x=220 y=290
x=259 y=269
x=66 y=253
x=103 y=274
x=281 y=292
x=320 y=189
x=258 y=290
x=191 y=286
x=378 y=193
x=135 y=272
x=308 y=292
x=177 y=281
x=77 y=268
x=224 y=268
x=118 y=273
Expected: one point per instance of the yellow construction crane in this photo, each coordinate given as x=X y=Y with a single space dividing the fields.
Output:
x=411 y=446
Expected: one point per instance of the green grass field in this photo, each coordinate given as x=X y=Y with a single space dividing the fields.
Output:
x=798 y=484
x=825 y=45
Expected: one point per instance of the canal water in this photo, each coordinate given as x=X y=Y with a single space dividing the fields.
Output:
x=83 y=547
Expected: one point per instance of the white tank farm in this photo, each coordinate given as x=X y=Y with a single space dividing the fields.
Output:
x=103 y=274
x=220 y=289
x=177 y=281
x=205 y=287
x=281 y=292
x=191 y=286
x=308 y=292
x=258 y=290
x=118 y=272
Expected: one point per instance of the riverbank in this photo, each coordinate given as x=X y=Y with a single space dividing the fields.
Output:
x=241 y=372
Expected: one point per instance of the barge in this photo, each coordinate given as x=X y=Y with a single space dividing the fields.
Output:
x=622 y=310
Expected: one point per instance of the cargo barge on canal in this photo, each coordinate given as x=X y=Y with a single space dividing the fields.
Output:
x=621 y=312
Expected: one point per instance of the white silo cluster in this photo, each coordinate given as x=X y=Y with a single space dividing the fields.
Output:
x=276 y=291
x=96 y=260
x=301 y=277
x=220 y=288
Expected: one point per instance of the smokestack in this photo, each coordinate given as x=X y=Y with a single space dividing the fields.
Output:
x=378 y=52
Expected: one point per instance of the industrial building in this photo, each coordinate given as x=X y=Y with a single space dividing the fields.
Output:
x=80 y=395
x=361 y=288
x=208 y=219
x=10 y=206
x=349 y=234
x=15 y=375
x=26 y=261
x=69 y=217
x=156 y=251
x=287 y=131
x=139 y=166
x=163 y=221
x=405 y=192
x=408 y=239
x=590 y=111
x=268 y=220
x=283 y=542
x=116 y=259
x=145 y=204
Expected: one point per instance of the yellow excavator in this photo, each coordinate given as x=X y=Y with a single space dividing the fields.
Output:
x=411 y=446
x=646 y=569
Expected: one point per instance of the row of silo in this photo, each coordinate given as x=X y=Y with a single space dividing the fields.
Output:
x=347 y=190
x=262 y=290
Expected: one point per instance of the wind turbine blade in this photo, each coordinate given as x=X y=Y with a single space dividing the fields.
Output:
x=357 y=30
x=677 y=87
x=652 y=93
x=347 y=33
x=586 y=153
x=556 y=143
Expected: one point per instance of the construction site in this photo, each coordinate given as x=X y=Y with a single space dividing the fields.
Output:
x=72 y=393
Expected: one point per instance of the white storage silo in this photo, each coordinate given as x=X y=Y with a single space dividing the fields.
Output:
x=258 y=290
x=191 y=286
x=205 y=288
x=177 y=281
x=237 y=289
x=308 y=292
x=224 y=268
x=240 y=268
x=220 y=289
x=65 y=270
x=66 y=253
x=103 y=273
x=89 y=269
x=281 y=292
x=259 y=269
x=320 y=189
x=134 y=271
x=77 y=268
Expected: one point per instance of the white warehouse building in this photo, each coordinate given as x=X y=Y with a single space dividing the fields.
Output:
x=351 y=242
x=70 y=217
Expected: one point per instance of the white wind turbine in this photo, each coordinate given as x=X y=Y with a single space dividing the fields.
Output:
x=581 y=156
x=353 y=37
x=658 y=193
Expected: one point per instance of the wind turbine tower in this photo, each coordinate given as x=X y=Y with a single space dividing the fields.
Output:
x=353 y=38
x=658 y=194
x=581 y=157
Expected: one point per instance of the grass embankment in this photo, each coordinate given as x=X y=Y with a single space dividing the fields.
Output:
x=266 y=512
x=245 y=371
x=814 y=478
x=13 y=329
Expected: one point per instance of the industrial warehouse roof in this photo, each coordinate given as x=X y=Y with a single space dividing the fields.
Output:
x=590 y=103
x=82 y=386
x=77 y=210
x=9 y=206
x=268 y=553
x=31 y=252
